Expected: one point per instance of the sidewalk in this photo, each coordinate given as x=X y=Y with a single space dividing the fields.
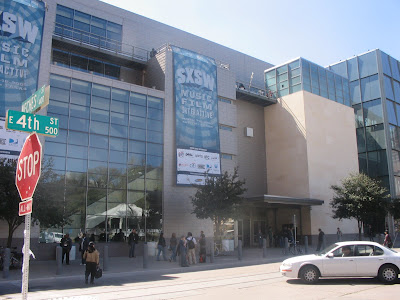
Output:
x=118 y=265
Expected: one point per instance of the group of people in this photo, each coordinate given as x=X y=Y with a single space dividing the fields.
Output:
x=185 y=248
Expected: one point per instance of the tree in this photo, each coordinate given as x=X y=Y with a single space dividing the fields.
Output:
x=219 y=198
x=46 y=208
x=361 y=198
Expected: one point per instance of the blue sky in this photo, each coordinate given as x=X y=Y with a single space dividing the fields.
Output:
x=278 y=30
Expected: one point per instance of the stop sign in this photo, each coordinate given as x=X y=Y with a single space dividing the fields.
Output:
x=28 y=167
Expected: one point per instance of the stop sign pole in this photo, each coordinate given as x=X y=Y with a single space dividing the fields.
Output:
x=26 y=178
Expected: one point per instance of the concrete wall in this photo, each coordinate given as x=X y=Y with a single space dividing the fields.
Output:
x=311 y=144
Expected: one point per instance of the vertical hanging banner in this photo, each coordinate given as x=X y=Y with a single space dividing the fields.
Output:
x=21 y=23
x=196 y=109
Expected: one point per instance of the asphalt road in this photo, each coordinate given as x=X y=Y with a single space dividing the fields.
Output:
x=250 y=282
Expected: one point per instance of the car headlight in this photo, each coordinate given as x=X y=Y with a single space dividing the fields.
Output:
x=286 y=265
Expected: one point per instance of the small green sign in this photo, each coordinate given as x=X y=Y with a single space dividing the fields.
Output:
x=37 y=101
x=17 y=120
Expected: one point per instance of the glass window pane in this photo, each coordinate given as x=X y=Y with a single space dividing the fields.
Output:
x=355 y=92
x=370 y=88
x=120 y=95
x=58 y=162
x=60 y=82
x=61 y=58
x=137 y=122
x=395 y=68
x=96 y=67
x=386 y=64
x=118 y=106
x=118 y=157
x=340 y=69
x=155 y=102
x=80 y=98
x=57 y=149
x=367 y=64
x=101 y=103
x=101 y=91
x=154 y=125
x=78 y=138
x=118 y=131
x=100 y=115
x=394 y=137
x=79 y=62
x=118 y=144
x=99 y=141
x=77 y=152
x=99 y=127
x=362 y=163
x=373 y=112
x=154 y=149
x=352 y=66
x=154 y=114
x=358 y=115
x=294 y=65
x=154 y=161
x=137 y=147
x=360 y=140
x=377 y=163
x=137 y=110
x=81 y=86
x=138 y=99
x=120 y=119
x=396 y=86
x=137 y=134
x=111 y=71
x=78 y=124
x=58 y=107
x=375 y=136
x=157 y=137
x=391 y=112
x=136 y=159
x=396 y=162
x=270 y=74
x=98 y=154
x=76 y=165
x=282 y=70
x=59 y=94
x=388 y=88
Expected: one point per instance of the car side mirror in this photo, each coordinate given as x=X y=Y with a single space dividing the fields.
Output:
x=330 y=255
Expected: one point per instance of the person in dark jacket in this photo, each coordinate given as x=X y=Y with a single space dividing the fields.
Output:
x=173 y=243
x=161 y=247
x=133 y=239
x=320 y=239
x=66 y=244
x=83 y=246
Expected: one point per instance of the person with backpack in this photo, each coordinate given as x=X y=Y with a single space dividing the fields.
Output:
x=191 y=252
x=92 y=258
x=133 y=239
x=161 y=247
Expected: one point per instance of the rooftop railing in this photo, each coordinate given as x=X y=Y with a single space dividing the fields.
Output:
x=255 y=90
x=101 y=42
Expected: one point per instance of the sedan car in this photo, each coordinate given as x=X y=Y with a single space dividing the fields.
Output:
x=351 y=259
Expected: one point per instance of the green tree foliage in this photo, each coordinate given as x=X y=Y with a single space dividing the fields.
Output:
x=219 y=198
x=360 y=197
x=48 y=207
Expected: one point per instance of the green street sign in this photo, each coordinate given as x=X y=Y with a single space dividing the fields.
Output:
x=37 y=101
x=17 y=120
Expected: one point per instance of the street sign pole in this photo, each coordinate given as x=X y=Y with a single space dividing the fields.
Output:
x=25 y=266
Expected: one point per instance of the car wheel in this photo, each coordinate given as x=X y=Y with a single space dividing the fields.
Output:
x=309 y=274
x=388 y=273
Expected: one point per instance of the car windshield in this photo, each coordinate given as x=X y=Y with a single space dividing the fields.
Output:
x=327 y=249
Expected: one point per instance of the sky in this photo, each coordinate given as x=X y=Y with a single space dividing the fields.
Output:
x=275 y=31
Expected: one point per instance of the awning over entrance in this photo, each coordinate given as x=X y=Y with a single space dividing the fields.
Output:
x=273 y=199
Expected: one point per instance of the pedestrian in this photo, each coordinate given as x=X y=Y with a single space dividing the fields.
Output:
x=92 y=258
x=133 y=239
x=270 y=236
x=173 y=243
x=83 y=247
x=182 y=252
x=260 y=238
x=339 y=235
x=66 y=244
x=388 y=240
x=161 y=247
x=191 y=247
x=202 y=242
x=320 y=238
x=371 y=233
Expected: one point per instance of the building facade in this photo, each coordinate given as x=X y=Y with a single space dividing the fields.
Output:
x=146 y=110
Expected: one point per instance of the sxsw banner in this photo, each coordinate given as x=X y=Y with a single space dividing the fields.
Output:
x=21 y=24
x=196 y=108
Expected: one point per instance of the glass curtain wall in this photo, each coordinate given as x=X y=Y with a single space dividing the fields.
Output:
x=367 y=100
x=110 y=153
x=301 y=74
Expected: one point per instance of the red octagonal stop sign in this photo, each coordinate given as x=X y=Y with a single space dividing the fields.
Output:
x=28 y=167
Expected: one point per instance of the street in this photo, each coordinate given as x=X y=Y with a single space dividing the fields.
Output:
x=252 y=282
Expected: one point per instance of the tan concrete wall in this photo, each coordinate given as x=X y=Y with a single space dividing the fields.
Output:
x=311 y=144
x=286 y=149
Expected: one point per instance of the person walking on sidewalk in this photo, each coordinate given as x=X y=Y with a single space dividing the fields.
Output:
x=182 y=252
x=161 y=247
x=133 y=239
x=66 y=244
x=173 y=242
x=320 y=239
x=191 y=245
x=92 y=258
x=83 y=246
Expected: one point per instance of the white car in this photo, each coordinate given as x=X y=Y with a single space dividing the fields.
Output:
x=345 y=259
